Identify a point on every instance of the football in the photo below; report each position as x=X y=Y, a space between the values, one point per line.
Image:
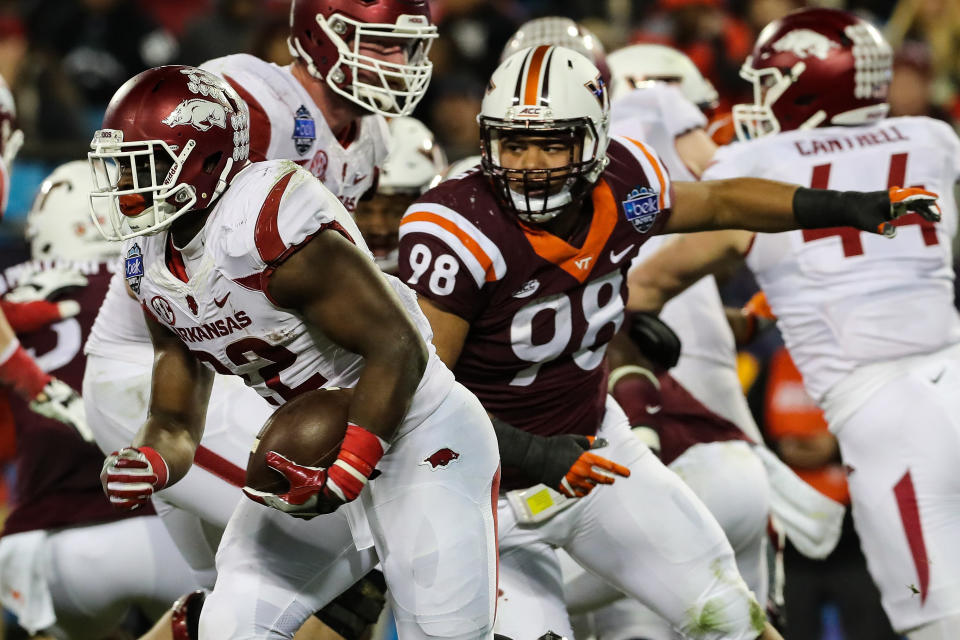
x=308 y=430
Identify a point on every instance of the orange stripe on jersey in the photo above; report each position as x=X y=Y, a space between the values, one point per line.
x=266 y=234
x=579 y=262
x=532 y=92
x=472 y=246
x=656 y=167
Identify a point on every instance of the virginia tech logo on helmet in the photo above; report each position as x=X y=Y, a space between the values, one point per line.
x=200 y=114
x=641 y=208
x=806 y=42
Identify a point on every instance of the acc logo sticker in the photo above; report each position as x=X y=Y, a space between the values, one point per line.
x=641 y=208
x=163 y=309
x=304 y=130
x=133 y=267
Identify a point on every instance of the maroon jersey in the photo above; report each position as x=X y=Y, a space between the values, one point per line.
x=679 y=419
x=541 y=310
x=58 y=474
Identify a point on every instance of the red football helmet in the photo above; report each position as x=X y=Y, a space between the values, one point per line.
x=177 y=134
x=334 y=37
x=815 y=67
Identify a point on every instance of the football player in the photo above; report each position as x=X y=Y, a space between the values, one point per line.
x=415 y=163
x=61 y=529
x=258 y=271
x=659 y=97
x=869 y=322
x=353 y=62
x=47 y=395
x=521 y=270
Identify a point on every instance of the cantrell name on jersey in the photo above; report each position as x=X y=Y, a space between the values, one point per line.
x=882 y=135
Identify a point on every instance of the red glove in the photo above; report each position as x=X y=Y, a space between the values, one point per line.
x=21 y=372
x=25 y=317
x=130 y=476
x=315 y=490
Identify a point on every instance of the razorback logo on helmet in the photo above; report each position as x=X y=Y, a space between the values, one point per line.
x=441 y=458
x=198 y=113
x=806 y=42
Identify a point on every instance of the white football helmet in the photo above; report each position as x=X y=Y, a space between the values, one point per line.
x=461 y=167
x=59 y=223
x=415 y=162
x=558 y=31
x=551 y=92
x=11 y=138
x=631 y=66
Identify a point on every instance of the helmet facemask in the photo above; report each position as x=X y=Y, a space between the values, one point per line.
x=136 y=184
x=537 y=195
x=758 y=120
x=386 y=88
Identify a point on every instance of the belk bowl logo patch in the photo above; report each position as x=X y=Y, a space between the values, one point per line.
x=304 y=130
x=133 y=267
x=641 y=208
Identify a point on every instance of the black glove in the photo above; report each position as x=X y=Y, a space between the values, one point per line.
x=562 y=462
x=872 y=211
x=350 y=613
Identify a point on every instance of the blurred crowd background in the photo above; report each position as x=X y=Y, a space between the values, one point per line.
x=64 y=59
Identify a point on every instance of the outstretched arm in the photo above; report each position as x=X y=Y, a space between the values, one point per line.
x=682 y=261
x=768 y=206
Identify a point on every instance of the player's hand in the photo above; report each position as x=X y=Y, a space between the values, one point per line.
x=25 y=317
x=46 y=285
x=59 y=402
x=906 y=200
x=305 y=498
x=130 y=476
x=352 y=612
x=571 y=468
x=872 y=211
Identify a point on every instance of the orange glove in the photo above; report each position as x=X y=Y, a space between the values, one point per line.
x=589 y=470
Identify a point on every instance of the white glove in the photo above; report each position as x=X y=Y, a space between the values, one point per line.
x=46 y=285
x=59 y=402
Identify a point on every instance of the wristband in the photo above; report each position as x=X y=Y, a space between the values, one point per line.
x=21 y=371
x=359 y=454
x=157 y=464
x=822 y=208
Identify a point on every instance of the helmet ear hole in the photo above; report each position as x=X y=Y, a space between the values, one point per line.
x=210 y=162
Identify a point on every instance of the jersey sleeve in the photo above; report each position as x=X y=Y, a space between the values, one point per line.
x=285 y=206
x=447 y=259
x=647 y=207
x=661 y=106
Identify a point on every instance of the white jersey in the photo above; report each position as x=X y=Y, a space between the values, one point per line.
x=846 y=298
x=285 y=123
x=222 y=311
x=657 y=115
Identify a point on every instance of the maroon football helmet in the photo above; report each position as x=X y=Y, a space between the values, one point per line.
x=815 y=67
x=334 y=39
x=179 y=135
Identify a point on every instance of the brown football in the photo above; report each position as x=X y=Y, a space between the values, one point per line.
x=308 y=430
